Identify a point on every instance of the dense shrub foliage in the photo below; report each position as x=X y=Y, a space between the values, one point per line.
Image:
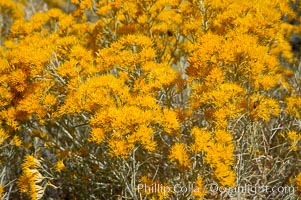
x=128 y=99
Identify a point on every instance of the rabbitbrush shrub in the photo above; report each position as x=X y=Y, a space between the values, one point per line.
x=155 y=99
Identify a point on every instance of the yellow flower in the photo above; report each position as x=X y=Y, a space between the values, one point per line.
x=179 y=153
x=214 y=78
x=170 y=121
x=31 y=179
x=293 y=138
x=293 y=106
x=59 y=165
x=16 y=141
x=119 y=148
x=9 y=117
x=30 y=162
x=265 y=107
x=86 y=4
x=18 y=80
x=145 y=136
x=225 y=175
x=30 y=105
x=1 y=191
x=23 y=183
x=13 y=8
x=49 y=100
x=266 y=82
x=3 y=136
x=142 y=19
x=222 y=137
x=28 y=182
x=202 y=139
x=97 y=135
x=199 y=191
x=298 y=180
x=67 y=69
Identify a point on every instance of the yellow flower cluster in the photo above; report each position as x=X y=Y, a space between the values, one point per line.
x=94 y=87
x=179 y=153
x=31 y=179
x=298 y=183
x=3 y=136
x=264 y=107
x=218 y=148
x=12 y=8
x=293 y=106
x=199 y=191
x=1 y=190
x=59 y=165
x=293 y=137
x=228 y=70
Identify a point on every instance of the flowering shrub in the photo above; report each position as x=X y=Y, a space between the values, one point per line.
x=127 y=99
